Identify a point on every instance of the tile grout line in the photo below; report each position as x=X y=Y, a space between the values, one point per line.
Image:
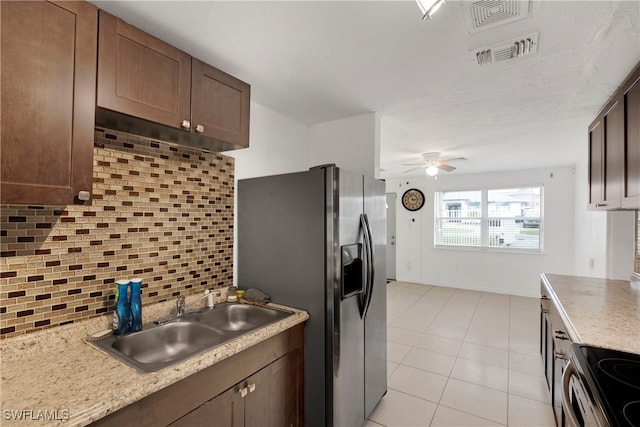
x=457 y=357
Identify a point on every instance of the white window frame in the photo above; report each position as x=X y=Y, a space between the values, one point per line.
x=485 y=220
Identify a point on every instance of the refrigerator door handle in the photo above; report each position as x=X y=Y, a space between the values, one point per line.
x=364 y=296
x=370 y=264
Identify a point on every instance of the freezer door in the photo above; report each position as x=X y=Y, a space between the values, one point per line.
x=282 y=249
x=348 y=325
x=375 y=342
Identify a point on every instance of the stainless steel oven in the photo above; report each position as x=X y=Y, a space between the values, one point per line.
x=601 y=387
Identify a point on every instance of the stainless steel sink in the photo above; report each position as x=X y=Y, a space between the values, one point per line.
x=174 y=341
x=159 y=346
x=240 y=317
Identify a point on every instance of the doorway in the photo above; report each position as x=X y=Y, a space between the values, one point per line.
x=391 y=236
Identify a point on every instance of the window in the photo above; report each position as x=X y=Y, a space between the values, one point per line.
x=493 y=218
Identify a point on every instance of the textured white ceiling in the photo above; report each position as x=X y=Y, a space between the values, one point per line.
x=321 y=61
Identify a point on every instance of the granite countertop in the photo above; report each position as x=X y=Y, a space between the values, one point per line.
x=598 y=312
x=54 y=377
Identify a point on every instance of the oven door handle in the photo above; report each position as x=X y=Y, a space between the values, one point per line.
x=571 y=419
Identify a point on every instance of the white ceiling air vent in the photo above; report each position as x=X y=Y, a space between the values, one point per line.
x=483 y=14
x=511 y=49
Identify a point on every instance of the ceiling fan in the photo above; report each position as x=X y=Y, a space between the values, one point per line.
x=432 y=163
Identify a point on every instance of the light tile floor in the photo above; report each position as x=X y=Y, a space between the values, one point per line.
x=462 y=358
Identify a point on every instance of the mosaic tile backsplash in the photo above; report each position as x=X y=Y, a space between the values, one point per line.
x=160 y=212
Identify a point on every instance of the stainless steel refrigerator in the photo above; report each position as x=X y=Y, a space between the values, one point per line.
x=316 y=240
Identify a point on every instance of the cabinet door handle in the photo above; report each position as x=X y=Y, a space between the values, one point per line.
x=199 y=128
x=559 y=355
x=243 y=392
x=252 y=387
x=560 y=335
x=600 y=205
x=186 y=124
x=84 y=195
x=544 y=297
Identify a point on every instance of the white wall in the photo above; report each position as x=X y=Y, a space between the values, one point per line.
x=352 y=143
x=277 y=144
x=590 y=227
x=494 y=271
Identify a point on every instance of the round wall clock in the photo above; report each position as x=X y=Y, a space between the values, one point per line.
x=413 y=199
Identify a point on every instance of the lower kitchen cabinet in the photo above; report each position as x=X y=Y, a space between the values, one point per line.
x=227 y=409
x=555 y=346
x=266 y=398
x=546 y=340
x=260 y=386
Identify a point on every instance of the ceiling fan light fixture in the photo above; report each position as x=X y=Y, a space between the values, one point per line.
x=429 y=7
x=432 y=170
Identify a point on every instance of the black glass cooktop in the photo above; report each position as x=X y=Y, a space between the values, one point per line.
x=616 y=377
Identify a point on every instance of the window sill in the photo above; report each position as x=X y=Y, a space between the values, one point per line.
x=491 y=249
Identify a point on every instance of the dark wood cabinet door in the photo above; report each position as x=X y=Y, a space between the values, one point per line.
x=224 y=410
x=140 y=75
x=613 y=155
x=596 y=155
x=606 y=153
x=631 y=183
x=272 y=398
x=219 y=105
x=47 y=97
x=546 y=348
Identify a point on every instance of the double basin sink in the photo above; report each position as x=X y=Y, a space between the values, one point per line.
x=159 y=346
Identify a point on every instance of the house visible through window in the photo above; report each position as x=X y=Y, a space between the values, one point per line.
x=494 y=218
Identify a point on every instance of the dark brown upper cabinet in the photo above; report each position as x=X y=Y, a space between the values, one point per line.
x=596 y=154
x=614 y=150
x=148 y=87
x=606 y=150
x=142 y=76
x=48 y=78
x=219 y=104
x=631 y=175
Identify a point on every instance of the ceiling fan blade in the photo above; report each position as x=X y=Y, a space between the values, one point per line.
x=453 y=159
x=446 y=167
x=419 y=167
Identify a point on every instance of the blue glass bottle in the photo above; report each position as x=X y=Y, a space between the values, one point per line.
x=122 y=315
x=136 y=305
